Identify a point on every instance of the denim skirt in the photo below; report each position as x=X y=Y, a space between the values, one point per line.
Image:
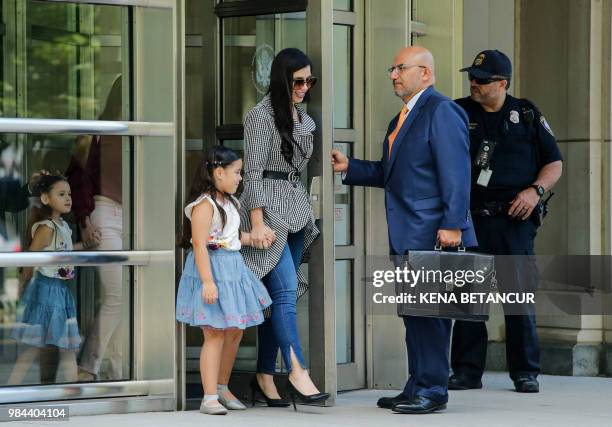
x=47 y=315
x=242 y=296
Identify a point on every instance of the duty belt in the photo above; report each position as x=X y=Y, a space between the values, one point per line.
x=490 y=209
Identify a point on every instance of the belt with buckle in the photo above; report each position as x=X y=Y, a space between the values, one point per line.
x=293 y=176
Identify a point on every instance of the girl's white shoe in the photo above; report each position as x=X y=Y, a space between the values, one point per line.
x=233 y=404
x=211 y=406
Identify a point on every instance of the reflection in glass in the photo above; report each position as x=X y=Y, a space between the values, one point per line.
x=24 y=357
x=47 y=311
x=41 y=346
x=342 y=77
x=72 y=56
x=343 y=204
x=249 y=46
x=344 y=311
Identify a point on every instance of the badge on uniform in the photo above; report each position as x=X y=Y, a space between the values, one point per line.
x=546 y=126
x=514 y=116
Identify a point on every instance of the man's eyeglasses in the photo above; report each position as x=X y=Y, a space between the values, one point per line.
x=308 y=82
x=486 y=81
x=402 y=67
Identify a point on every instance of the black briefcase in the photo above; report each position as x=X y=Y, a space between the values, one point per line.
x=453 y=284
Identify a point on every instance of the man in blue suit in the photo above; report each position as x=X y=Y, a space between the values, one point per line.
x=425 y=173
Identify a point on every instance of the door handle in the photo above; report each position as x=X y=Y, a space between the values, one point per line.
x=315 y=196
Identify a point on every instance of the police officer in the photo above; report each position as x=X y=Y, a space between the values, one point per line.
x=515 y=161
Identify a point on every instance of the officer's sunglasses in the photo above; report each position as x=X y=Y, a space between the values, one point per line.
x=486 y=81
x=308 y=82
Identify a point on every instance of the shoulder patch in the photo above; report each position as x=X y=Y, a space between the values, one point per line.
x=546 y=125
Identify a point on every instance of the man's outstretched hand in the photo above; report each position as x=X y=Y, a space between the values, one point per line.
x=339 y=161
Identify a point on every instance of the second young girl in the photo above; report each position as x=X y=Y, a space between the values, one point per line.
x=217 y=292
x=47 y=309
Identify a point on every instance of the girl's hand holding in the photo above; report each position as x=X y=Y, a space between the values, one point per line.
x=262 y=237
x=92 y=239
x=91 y=236
x=209 y=292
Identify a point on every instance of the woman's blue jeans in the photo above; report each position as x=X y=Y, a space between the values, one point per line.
x=280 y=330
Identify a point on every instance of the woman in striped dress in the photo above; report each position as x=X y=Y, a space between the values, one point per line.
x=276 y=210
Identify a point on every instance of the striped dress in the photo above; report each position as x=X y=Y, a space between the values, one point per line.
x=286 y=206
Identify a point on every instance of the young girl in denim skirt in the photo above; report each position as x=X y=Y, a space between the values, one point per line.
x=217 y=292
x=47 y=312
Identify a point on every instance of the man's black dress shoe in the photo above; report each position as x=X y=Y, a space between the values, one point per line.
x=461 y=381
x=526 y=384
x=388 y=402
x=418 y=405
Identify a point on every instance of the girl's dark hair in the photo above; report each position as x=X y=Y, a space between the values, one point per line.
x=203 y=183
x=43 y=186
x=286 y=62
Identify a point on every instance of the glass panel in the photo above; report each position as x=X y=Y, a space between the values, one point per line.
x=343 y=204
x=344 y=311
x=93 y=302
x=346 y=5
x=249 y=46
x=438 y=17
x=97 y=301
x=95 y=169
x=194 y=107
x=342 y=77
x=195 y=80
x=62 y=59
x=33 y=346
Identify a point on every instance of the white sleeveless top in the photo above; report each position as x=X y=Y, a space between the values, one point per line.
x=226 y=238
x=60 y=241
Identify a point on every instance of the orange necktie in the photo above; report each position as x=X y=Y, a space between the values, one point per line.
x=400 y=122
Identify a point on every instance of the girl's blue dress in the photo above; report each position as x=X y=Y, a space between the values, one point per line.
x=47 y=315
x=242 y=296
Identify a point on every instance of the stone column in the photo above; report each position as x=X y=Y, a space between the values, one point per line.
x=564 y=66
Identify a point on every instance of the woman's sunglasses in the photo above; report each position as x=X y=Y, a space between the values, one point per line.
x=308 y=82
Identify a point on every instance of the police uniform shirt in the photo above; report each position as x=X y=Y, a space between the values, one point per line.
x=517 y=134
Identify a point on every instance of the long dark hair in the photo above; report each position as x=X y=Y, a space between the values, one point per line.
x=204 y=183
x=114 y=105
x=286 y=62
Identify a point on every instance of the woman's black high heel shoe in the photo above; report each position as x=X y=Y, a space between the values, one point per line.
x=272 y=403
x=306 y=399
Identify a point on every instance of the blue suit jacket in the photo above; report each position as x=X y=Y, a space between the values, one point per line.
x=427 y=178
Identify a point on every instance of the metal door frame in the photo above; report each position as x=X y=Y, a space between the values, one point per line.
x=353 y=375
x=153 y=384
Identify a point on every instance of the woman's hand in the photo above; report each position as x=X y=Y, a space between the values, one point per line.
x=262 y=237
x=91 y=237
x=210 y=294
